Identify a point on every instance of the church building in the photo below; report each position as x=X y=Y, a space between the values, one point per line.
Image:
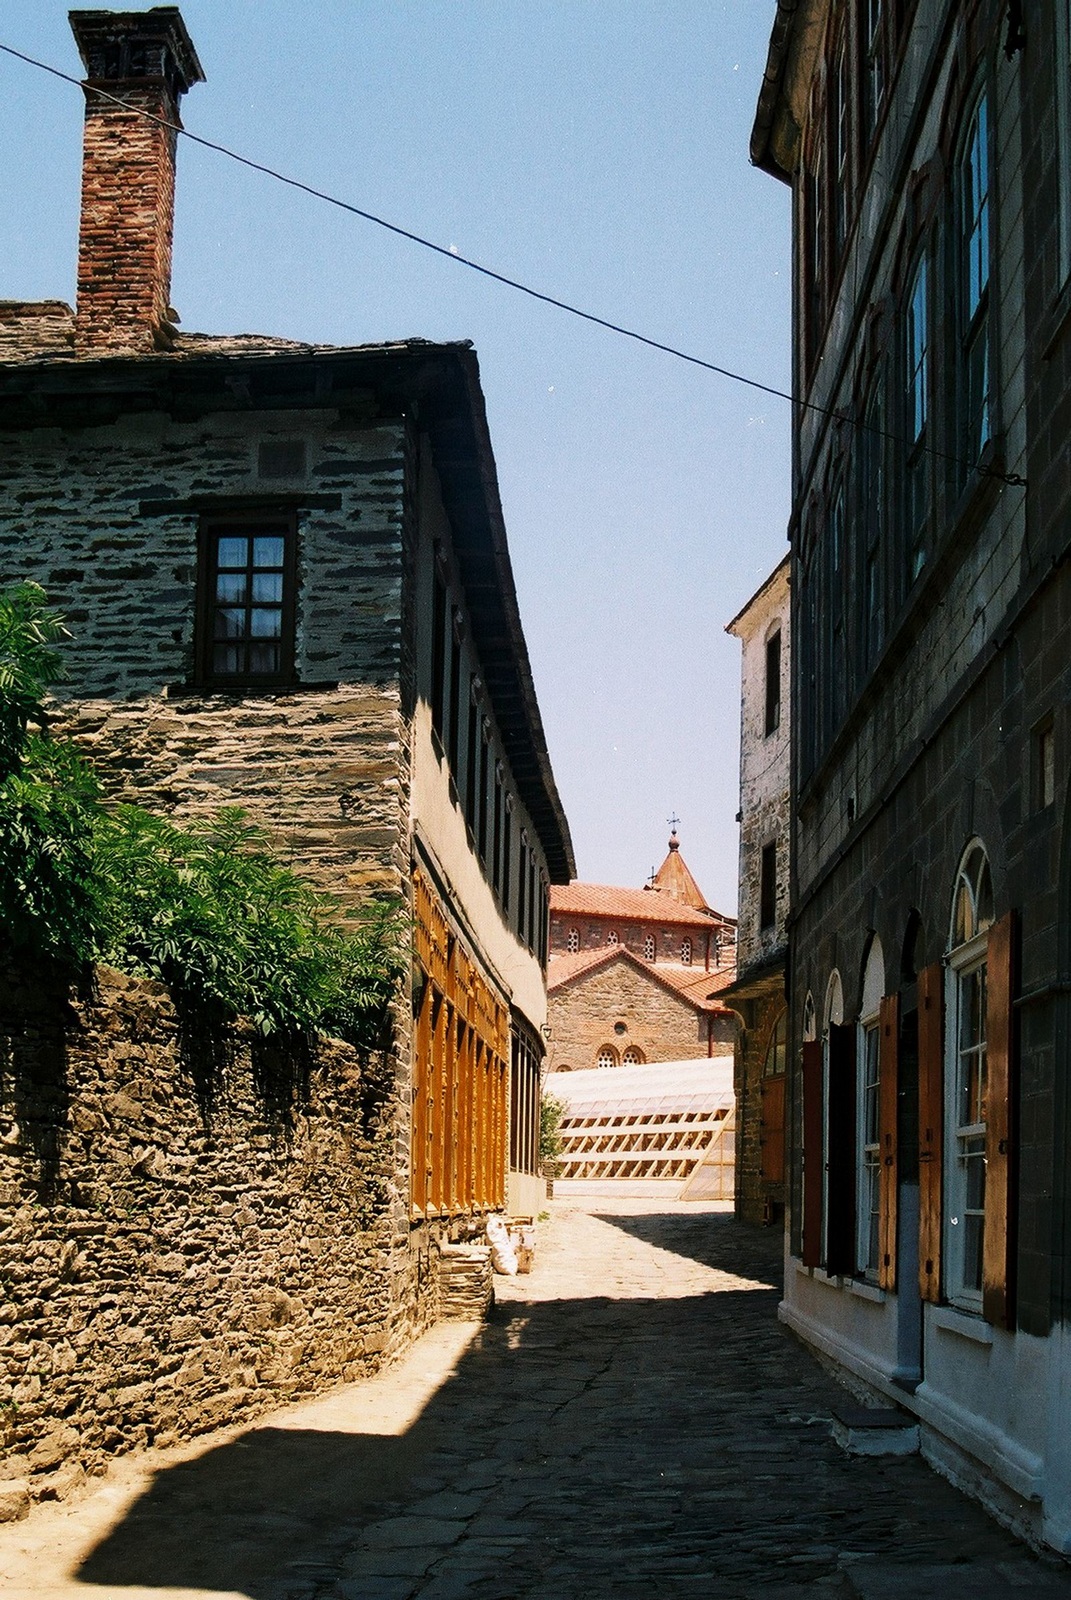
x=635 y=975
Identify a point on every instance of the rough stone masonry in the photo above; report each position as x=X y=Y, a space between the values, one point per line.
x=195 y=1225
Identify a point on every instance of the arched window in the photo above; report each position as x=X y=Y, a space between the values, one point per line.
x=649 y=947
x=632 y=1057
x=611 y=937
x=966 y=1075
x=686 y=952
x=607 y=1056
x=810 y=1024
x=572 y=942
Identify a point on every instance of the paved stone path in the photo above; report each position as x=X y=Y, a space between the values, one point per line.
x=632 y=1422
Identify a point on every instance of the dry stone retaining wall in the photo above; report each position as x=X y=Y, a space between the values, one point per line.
x=192 y=1227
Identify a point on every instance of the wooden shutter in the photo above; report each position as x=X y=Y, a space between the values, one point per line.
x=999 y=1235
x=812 y=1153
x=843 y=1145
x=888 y=1103
x=931 y=1127
x=773 y=1128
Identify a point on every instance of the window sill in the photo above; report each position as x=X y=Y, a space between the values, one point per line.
x=857 y=1286
x=243 y=691
x=966 y=1323
x=865 y=1290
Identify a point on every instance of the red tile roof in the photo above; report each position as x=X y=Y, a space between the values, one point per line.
x=698 y=988
x=628 y=905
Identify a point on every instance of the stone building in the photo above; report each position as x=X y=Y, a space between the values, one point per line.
x=635 y=974
x=286 y=576
x=758 y=991
x=928 y=148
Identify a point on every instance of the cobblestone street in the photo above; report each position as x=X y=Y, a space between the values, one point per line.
x=632 y=1421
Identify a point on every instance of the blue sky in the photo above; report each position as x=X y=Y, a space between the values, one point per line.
x=596 y=149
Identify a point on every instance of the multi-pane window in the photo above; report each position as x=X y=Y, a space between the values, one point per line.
x=248 y=601
x=1062 y=63
x=808 y=655
x=871 y=523
x=839 y=113
x=968 y=1063
x=975 y=218
x=870 y=1149
x=686 y=952
x=834 y=682
x=611 y=937
x=632 y=1057
x=649 y=947
x=607 y=1056
x=472 y=728
x=873 y=54
x=917 y=397
x=485 y=783
x=814 y=251
x=453 y=728
x=522 y=885
x=440 y=605
x=572 y=941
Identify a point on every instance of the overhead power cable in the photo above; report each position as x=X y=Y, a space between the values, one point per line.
x=1013 y=480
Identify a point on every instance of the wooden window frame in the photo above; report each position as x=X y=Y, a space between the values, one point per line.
x=272 y=523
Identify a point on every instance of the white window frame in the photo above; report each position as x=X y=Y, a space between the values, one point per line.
x=964 y=1135
x=868 y=1144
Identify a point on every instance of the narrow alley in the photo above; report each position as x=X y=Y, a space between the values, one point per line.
x=632 y=1421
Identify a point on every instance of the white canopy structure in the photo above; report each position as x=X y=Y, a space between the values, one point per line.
x=668 y=1125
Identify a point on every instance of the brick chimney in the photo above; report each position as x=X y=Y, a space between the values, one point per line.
x=147 y=61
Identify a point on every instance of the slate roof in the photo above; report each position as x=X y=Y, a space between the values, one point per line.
x=45 y=382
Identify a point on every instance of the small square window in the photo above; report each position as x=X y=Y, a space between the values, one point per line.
x=246 y=601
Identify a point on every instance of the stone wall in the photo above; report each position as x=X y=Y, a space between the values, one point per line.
x=584 y=1015
x=192 y=1227
x=756 y=1197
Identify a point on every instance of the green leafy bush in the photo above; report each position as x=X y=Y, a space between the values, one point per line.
x=205 y=906
x=48 y=796
x=551 y=1112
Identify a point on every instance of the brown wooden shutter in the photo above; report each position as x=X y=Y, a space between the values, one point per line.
x=931 y=1127
x=999 y=1236
x=773 y=1129
x=888 y=1101
x=812 y=1153
x=843 y=1146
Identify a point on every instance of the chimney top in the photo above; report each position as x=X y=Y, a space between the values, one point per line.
x=125 y=46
